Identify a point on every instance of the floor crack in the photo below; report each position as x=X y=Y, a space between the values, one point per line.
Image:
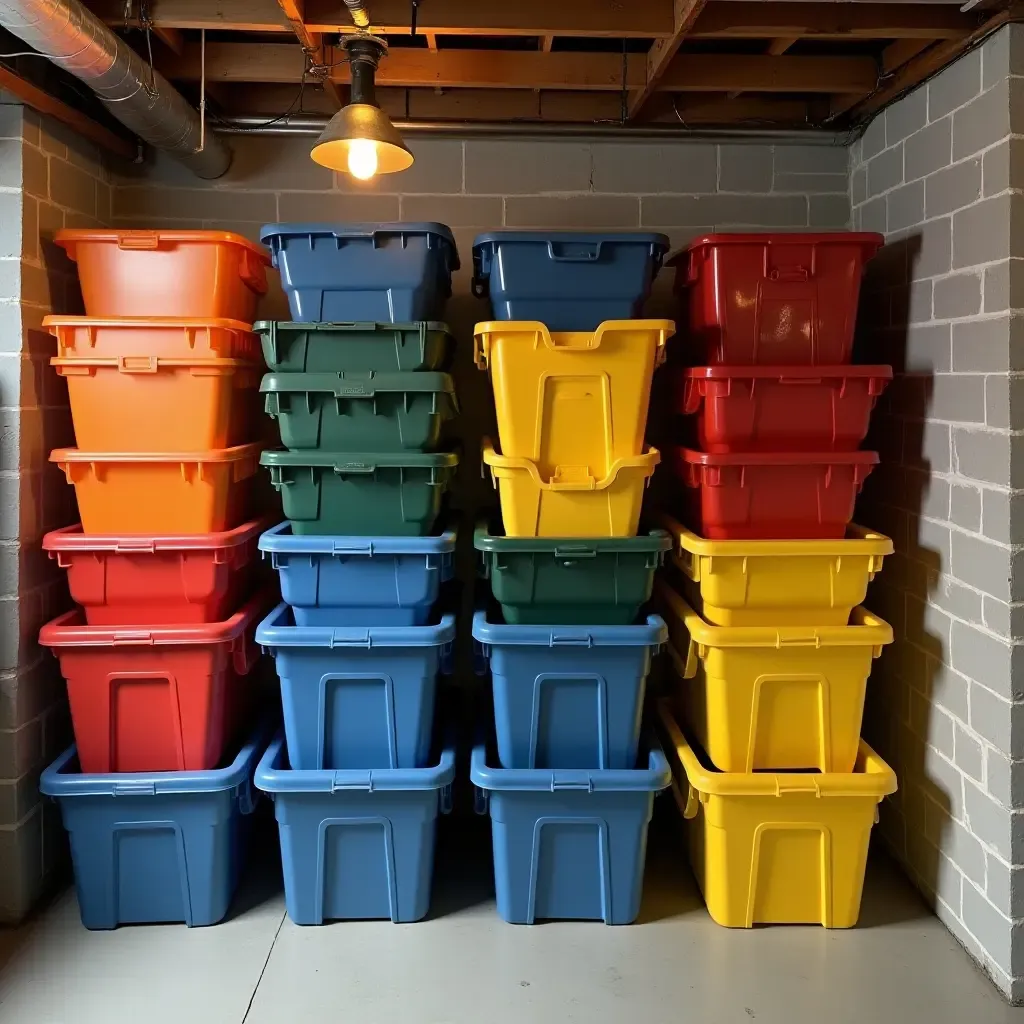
x=263 y=970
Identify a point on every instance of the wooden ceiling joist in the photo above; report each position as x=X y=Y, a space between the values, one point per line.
x=706 y=72
x=662 y=52
x=752 y=19
x=312 y=43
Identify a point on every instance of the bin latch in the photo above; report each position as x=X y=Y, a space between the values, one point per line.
x=570 y=553
x=349 y=779
x=351 y=640
x=134 y=787
x=338 y=548
x=572 y=783
x=571 y=640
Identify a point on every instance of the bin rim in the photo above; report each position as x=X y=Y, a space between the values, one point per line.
x=367 y=460
x=784 y=373
x=55 y=781
x=272 y=775
x=871 y=777
x=863 y=630
x=363 y=230
x=159 y=322
x=279 y=539
x=693 y=457
x=71 y=630
x=652 y=779
x=73 y=538
x=652 y=632
x=542 y=237
x=238 y=453
x=865 y=239
x=496 y=543
x=362 y=384
x=647 y=461
x=278 y=629
x=858 y=541
x=68 y=238
x=268 y=326
x=156 y=363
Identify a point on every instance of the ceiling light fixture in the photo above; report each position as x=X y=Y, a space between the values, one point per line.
x=360 y=138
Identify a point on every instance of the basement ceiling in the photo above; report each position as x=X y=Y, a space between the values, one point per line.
x=700 y=63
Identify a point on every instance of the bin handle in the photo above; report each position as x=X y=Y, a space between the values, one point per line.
x=479 y=287
x=687 y=804
x=138 y=240
x=588 y=255
x=693 y=395
x=571 y=553
x=246 y=654
x=354 y=467
x=138 y=364
x=248 y=796
x=787 y=274
x=253 y=272
x=481 y=351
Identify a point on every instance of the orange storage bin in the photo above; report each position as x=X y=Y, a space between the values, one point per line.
x=177 y=337
x=167 y=273
x=179 y=492
x=153 y=404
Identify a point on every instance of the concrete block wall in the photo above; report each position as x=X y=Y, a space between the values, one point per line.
x=940 y=173
x=48 y=179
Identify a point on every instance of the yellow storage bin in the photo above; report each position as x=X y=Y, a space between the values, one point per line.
x=570 y=504
x=777 y=849
x=572 y=401
x=779 y=582
x=758 y=697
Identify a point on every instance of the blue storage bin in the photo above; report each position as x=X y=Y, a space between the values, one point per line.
x=391 y=273
x=357 y=696
x=569 y=844
x=152 y=847
x=569 y=281
x=359 y=581
x=568 y=696
x=356 y=844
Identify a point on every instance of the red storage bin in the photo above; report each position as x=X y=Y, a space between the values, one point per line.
x=776 y=408
x=772 y=299
x=167 y=698
x=160 y=580
x=771 y=495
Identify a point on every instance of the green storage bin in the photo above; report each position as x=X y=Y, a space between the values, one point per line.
x=353 y=347
x=569 y=581
x=394 y=494
x=343 y=412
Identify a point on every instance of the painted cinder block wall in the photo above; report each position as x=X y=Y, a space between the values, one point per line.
x=940 y=173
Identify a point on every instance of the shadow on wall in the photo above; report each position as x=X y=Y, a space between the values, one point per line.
x=898 y=498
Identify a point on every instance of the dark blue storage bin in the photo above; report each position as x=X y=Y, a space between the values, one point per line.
x=568 y=696
x=356 y=844
x=568 y=280
x=357 y=696
x=569 y=844
x=359 y=581
x=152 y=847
x=391 y=273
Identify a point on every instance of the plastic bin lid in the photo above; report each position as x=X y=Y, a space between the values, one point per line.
x=278 y=629
x=491 y=543
x=166 y=323
x=360 y=462
x=71 y=538
x=777 y=458
x=656 y=776
x=68 y=238
x=237 y=454
x=63 y=778
x=803 y=373
x=70 y=630
x=578 y=237
x=363 y=326
x=651 y=633
x=865 y=239
x=274 y=776
x=359 y=385
x=365 y=230
x=280 y=540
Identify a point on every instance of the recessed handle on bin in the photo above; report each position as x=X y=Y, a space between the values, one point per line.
x=582 y=252
x=246 y=654
x=350 y=779
x=479 y=287
x=134 y=787
x=481 y=800
x=481 y=351
x=137 y=364
x=571 y=640
x=338 y=548
x=798 y=641
x=248 y=796
x=135 y=545
x=252 y=272
x=573 y=781
x=445 y=801
x=353 y=389
x=138 y=240
x=351 y=640
x=132 y=636
x=354 y=467
x=789 y=274
x=687 y=804
x=572 y=552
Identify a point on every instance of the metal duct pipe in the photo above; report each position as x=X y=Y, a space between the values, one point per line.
x=141 y=99
x=360 y=15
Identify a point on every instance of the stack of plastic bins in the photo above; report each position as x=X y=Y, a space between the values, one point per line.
x=160 y=653
x=565 y=774
x=357 y=390
x=770 y=645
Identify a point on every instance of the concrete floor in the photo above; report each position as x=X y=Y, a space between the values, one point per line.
x=463 y=965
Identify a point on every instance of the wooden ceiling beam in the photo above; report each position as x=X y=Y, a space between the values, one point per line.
x=706 y=72
x=726 y=19
x=777 y=47
x=312 y=43
x=639 y=19
x=684 y=15
x=899 y=51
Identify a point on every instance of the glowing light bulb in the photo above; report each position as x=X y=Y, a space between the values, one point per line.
x=362 y=158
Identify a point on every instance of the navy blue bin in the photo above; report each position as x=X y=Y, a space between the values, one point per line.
x=357 y=696
x=356 y=844
x=390 y=273
x=151 y=847
x=568 y=696
x=569 y=845
x=359 y=581
x=569 y=281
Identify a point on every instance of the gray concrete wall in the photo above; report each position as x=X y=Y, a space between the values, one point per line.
x=940 y=174
x=48 y=179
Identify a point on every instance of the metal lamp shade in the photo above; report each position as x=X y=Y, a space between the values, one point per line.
x=361 y=121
